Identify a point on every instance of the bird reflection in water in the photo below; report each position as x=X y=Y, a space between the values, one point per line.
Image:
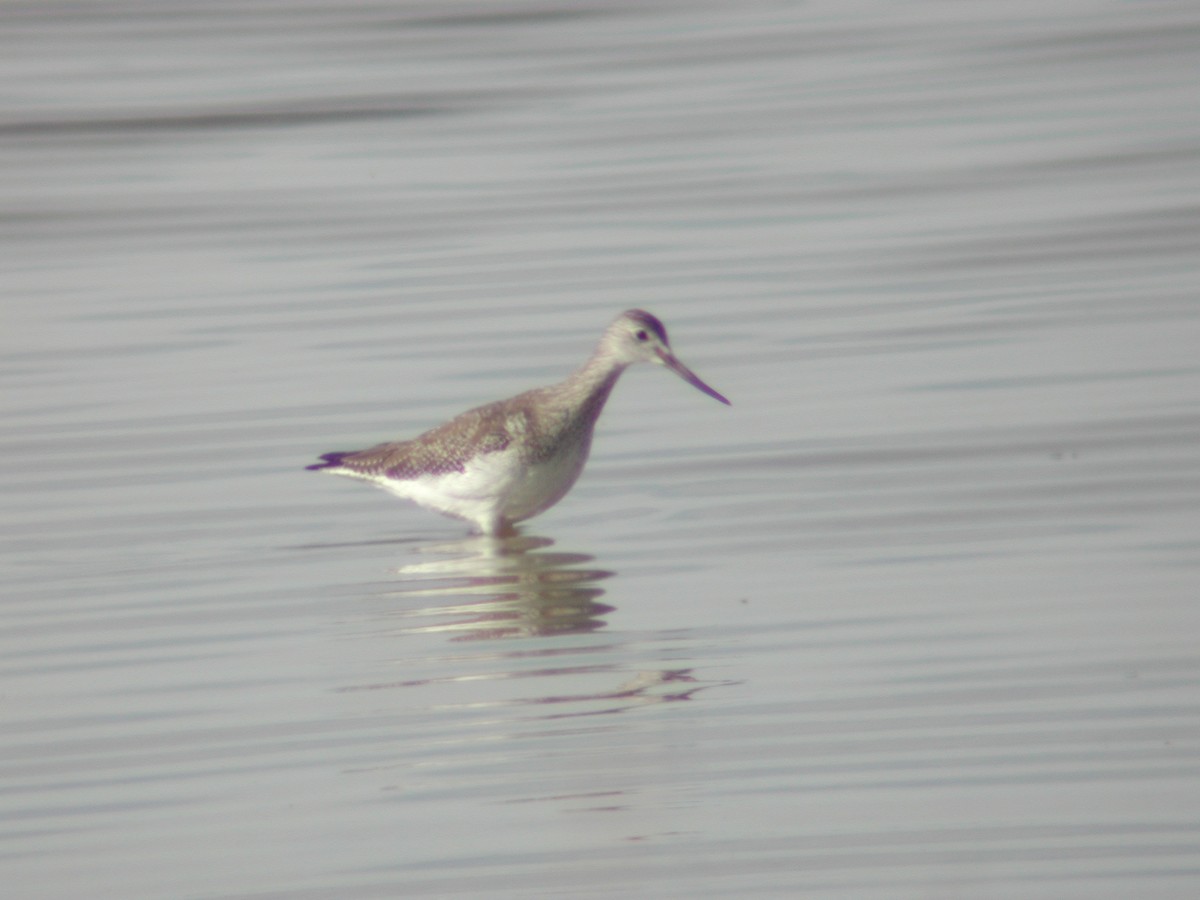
x=498 y=588
x=481 y=588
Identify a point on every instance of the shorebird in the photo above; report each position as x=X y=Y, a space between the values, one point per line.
x=510 y=460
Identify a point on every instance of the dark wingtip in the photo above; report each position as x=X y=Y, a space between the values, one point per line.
x=328 y=461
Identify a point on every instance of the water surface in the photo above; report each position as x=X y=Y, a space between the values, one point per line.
x=914 y=617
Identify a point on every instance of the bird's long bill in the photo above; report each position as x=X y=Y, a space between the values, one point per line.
x=670 y=361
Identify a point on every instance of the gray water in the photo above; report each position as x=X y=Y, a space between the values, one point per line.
x=916 y=617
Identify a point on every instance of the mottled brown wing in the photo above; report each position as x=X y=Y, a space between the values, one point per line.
x=440 y=451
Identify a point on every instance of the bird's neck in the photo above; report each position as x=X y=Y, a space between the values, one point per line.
x=588 y=387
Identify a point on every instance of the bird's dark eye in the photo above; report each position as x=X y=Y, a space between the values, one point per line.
x=642 y=336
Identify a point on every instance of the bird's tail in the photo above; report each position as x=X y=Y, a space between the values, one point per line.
x=330 y=461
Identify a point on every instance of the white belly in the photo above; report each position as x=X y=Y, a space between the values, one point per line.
x=496 y=487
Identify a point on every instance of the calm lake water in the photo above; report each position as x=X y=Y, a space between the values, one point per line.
x=916 y=617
